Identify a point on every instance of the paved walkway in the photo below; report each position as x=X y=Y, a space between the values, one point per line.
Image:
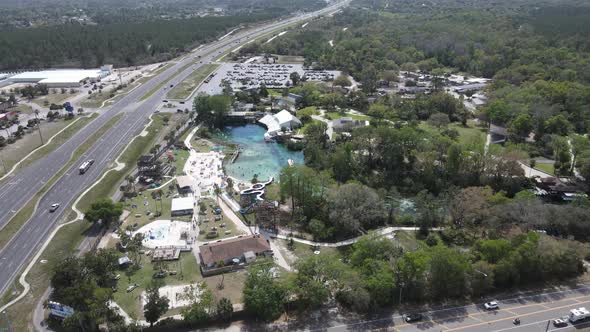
x=387 y=231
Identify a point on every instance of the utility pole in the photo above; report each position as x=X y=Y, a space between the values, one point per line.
x=39 y=125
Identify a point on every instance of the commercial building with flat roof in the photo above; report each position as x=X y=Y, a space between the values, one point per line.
x=62 y=78
x=182 y=206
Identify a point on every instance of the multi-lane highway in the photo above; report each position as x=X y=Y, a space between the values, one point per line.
x=536 y=311
x=18 y=189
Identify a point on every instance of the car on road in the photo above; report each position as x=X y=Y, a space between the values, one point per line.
x=164 y=101
x=491 y=305
x=412 y=317
x=560 y=322
x=54 y=207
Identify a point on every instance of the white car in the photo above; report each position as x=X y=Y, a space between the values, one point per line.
x=491 y=305
x=54 y=207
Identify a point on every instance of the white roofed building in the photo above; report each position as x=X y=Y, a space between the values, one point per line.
x=182 y=206
x=281 y=121
x=63 y=78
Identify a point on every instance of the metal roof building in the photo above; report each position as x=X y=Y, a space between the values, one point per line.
x=63 y=78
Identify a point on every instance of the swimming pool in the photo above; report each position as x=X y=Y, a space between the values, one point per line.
x=256 y=156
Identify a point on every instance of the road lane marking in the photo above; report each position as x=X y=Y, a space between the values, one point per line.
x=512 y=317
x=472 y=317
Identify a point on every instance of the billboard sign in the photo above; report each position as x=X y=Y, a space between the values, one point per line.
x=60 y=310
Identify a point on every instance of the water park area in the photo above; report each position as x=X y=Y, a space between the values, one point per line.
x=164 y=233
x=206 y=168
x=257 y=158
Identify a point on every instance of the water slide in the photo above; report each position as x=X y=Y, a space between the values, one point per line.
x=256 y=189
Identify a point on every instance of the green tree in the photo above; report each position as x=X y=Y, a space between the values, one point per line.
x=224 y=309
x=105 y=211
x=155 y=305
x=264 y=297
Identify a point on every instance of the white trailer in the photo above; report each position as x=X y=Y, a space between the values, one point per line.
x=578 y=314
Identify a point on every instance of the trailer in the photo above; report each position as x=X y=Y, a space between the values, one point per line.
x=579 y=314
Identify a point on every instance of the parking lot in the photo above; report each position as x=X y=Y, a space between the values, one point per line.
x=251 y=75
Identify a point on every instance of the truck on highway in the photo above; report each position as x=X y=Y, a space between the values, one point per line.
x=85 y=166
x=579 y=314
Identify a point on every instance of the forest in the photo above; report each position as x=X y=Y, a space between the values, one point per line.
x=129 y=36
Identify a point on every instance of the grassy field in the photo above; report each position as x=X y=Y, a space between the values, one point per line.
x=163 y=83
x=338 y=115
x=467 y=134
x=207 y=226
x=290 y=59
x=26 y=211
x=184 y=89
x=13 y=153
x=186 y=267
x=22 y=108
x=181 y=156
x=302 y=129
x=546 y=167
x=407 y=240
x=52 y=98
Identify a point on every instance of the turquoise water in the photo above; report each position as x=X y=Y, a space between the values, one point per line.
x=257 y=156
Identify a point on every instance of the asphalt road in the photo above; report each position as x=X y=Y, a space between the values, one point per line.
x=534 y=311
x=15 y=192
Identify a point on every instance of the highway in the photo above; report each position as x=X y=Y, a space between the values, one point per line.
x=16 y=191
x=536 y=311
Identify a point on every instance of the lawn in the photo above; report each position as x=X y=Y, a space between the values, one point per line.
x=185 y=88
x=52 y=98
x=301 y=130
x=338 y=115
x=186 y=267
x=207 y=223
x=545 y=167
x=290 y=59
x=467 y=134
x=22 y=108
x=407 y=240
x=301 y=250
x=181 y=156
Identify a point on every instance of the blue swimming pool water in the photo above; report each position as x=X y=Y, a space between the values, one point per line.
x=257 y=156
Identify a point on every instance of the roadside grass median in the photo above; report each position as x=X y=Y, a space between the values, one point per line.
x=25 y=213
x=185 y=88
x=58 y=132
x=63 y=244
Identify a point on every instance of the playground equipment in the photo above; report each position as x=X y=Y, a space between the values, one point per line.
x=256 y=190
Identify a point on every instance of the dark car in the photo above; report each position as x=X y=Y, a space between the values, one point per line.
x=413 y=317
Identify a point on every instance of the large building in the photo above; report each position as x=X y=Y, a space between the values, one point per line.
x=62 y=78
x=224 y=256
x=281 y=121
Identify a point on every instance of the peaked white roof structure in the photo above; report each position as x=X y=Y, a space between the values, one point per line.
x=276 y=122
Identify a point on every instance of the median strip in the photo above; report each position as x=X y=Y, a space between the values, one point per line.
x=25 y=213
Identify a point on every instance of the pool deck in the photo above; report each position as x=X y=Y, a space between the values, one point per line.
x=162 y=233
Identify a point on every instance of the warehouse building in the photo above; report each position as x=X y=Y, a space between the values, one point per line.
x=63 y=78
